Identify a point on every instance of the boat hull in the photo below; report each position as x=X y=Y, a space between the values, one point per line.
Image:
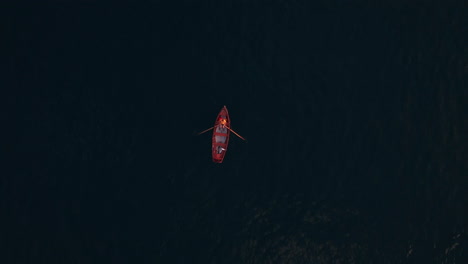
x=220 y=139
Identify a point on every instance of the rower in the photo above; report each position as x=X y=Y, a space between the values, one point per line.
x=222 y=121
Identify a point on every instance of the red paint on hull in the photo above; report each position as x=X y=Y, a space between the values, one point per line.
x=220 y=139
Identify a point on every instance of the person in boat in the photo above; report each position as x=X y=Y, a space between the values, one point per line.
x=222 y=121
x=221 y=128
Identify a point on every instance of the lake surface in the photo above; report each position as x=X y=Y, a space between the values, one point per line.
x=355 y=120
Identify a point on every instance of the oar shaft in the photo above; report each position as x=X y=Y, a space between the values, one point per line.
x=205 y=130
x=235 y=133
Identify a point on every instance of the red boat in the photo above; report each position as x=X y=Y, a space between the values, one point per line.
x=220 y=140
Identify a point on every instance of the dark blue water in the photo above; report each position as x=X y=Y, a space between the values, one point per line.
x=354 y=116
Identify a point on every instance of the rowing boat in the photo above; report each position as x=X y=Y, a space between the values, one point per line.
x=220 y=139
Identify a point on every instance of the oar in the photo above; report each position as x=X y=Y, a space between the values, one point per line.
x=205 y=131
x=235 y=133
